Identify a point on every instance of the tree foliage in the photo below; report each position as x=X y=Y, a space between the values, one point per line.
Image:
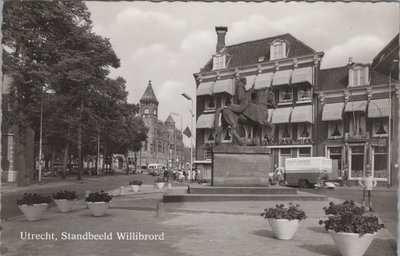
x=50 y=50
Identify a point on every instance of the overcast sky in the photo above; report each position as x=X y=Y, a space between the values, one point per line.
x=168 y=42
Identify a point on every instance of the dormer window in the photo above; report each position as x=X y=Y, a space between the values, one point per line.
x=358 y=76
x=219 y=61
x=278 y=50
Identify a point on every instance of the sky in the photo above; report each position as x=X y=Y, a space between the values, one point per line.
x=168 y=42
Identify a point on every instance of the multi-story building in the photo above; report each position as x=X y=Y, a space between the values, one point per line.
x=341 y=113
x=164 y=143
x=355 y=102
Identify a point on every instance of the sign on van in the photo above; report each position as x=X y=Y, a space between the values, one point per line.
x=308 y=164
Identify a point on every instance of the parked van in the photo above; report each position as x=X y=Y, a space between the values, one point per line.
x=155 y=169
x=306 y=171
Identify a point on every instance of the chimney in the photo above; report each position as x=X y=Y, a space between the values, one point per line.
x=221 y=31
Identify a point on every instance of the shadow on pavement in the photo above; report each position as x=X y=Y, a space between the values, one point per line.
x=321 y=249
x=263 y=233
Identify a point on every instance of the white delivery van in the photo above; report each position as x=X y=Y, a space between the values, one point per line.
x=306 y=171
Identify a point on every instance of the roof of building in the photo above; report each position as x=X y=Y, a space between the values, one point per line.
x=169 y=119
x=384 y=60
x=149 y=95
x=338 y=78
x=248 y=53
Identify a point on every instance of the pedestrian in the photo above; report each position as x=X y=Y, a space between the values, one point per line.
x=194 y=173
x=368 y=183
x=346 y=177
x=198 y=175
x=324 y=178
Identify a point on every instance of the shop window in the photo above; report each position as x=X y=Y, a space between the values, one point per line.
x=335 y=129
x=380 y=127
x=283 y=154
x=380 y=162
x=304 y=130
x=209 y=103
x=357 y=161
x=207 y=154
x=304 y=152
x=286 y=95
x=335 y=153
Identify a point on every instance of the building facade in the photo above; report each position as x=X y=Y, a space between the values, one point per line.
x=306 y=98
x=164 y=143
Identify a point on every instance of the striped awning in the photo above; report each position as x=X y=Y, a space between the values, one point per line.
x=225 y=85
x=356 y=106
x=264 y=80
x=378 y=108
x=281 y=115
x=301 y=114
x=270 y=113
x=205 y=121
x=282 y=77
x=205 y=89
x=301 y=75
x=333 y=111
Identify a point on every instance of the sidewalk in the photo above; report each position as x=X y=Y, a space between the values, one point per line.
x=198 y=229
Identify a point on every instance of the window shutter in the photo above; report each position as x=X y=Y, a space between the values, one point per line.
x=351 y=77
x=283 y=47
x=272 y=52
x=366 y=76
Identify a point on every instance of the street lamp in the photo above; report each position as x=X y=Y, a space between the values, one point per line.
x=191 y=128
x=41 y=135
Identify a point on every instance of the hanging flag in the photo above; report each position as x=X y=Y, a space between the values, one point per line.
x=187 y=132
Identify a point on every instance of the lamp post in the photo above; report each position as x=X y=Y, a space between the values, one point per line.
x=177 y=114
x=191 y=128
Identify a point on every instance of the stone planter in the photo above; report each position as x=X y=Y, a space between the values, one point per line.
x=284 y=229
x=160 y=185
x=33 y=212
x=352 y=244
x=64 y=205
x=98 y=208
x=135 y=188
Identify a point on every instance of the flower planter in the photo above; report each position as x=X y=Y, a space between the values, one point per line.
x=352 y=244
x=33 y=212
x=64 y=205
x=160 y=185
x=135 y=188
x=98 y=208
x=284 y=229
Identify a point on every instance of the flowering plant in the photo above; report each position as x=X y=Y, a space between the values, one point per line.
x=350 y=218
x=68 y=195
x=159 y=180
x=99 y=197
x=291 y=212
x=136 y=182
x=31 y=199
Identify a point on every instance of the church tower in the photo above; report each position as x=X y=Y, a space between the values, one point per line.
x=149 y=106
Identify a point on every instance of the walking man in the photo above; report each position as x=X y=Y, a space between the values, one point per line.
x=368 y=183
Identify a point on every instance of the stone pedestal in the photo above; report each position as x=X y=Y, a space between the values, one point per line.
x=241 y=166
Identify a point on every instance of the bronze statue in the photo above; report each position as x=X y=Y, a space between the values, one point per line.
x=247 y=111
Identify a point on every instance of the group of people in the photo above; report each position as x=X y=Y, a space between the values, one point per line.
x=186 y=175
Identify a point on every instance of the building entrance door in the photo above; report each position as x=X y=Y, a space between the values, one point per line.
x=356 y=161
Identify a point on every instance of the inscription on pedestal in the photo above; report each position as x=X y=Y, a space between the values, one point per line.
x=241 y=166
